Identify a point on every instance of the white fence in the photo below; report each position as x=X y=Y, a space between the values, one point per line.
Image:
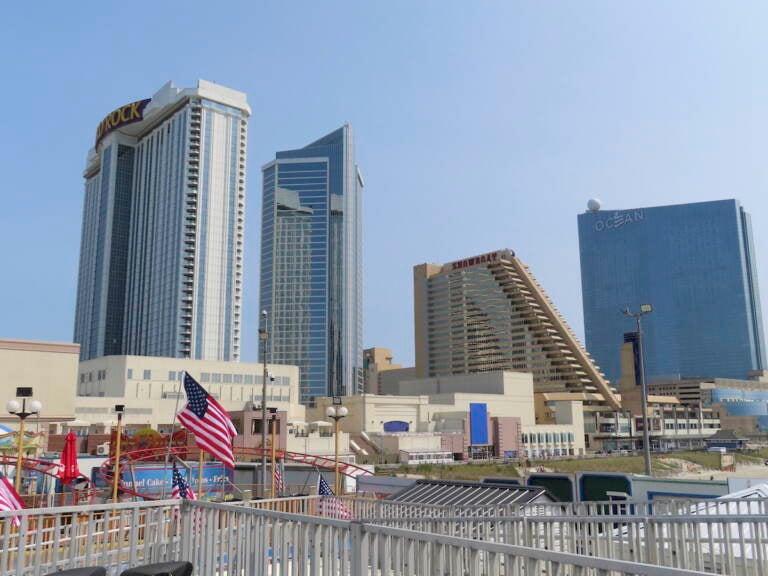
x=286 y=537
x=114 y=535
x=248 y=541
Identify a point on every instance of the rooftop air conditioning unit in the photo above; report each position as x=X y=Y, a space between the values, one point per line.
x=103 y=449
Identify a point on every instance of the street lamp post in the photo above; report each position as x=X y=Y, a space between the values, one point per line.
x=119 y=409
x=644 y=309
x=21 y=411
x=264 y=337
x=337 y=413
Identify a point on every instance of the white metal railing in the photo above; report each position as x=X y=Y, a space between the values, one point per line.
x=374 y=509
x=285 y=536
x=732 y=544
x=114 y=535
x=220 y=539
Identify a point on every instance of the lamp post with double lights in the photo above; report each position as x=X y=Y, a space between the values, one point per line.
x=119 y=409
x=644 y=309
x=337 y=412
x=21 y=411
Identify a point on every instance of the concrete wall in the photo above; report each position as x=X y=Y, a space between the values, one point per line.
x=49 y=368
x=369 y=412
x=393 y=443
x=506 y=433
x=389 y=381
x=154 y=401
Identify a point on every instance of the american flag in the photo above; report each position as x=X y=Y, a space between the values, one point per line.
x=329 y=504
x=10 y=499
x=181 y=489
x=208 y=421
x=277 y=480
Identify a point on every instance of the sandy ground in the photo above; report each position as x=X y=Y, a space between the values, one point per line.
x=742 y=471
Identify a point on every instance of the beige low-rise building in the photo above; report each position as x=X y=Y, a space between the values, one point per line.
x=672 y=424
x=152 y=392
x=434 y=415
x=48 y=368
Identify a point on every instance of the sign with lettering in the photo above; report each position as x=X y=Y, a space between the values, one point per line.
x=128 y=114
x=156 y=481
x=619 y=219
x=485 y=258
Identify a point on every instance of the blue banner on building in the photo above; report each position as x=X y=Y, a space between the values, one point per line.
x=478 y=424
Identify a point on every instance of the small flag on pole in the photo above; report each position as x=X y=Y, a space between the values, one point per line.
x=279 y=483
x=329 y=504
x=180 y=489
x=208 y=421
x=10 y=499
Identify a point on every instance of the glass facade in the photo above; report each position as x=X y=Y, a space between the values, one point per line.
x=161 y=254
x=311 y=264
x=694 y=263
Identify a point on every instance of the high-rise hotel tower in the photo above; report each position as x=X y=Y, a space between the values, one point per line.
x=162 y=238
x=695 y=265
x=487 y=313
x=311 y=264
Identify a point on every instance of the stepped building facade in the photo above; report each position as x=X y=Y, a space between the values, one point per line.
x=487 y=313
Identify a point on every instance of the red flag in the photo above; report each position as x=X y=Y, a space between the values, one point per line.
x=208 y=421
x=68 y=469
x=10 y=499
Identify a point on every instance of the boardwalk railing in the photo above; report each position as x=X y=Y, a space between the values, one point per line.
x=733 y=545
x=229 y=539
x=287 y=537
x=114 y=535
x=373 y=508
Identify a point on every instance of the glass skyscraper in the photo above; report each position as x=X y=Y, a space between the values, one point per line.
x=695 y=265
x=311 y=264
x=162 y=237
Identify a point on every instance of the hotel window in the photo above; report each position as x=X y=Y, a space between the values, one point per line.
x=205 y=377
x=147 y=374
x=129 y=374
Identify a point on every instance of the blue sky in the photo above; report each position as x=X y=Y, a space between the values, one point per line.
x=479 y=126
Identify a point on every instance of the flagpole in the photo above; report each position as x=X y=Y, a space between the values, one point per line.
x=173 y=427
x=273 y=454
x=200 y=475
x=116 y=464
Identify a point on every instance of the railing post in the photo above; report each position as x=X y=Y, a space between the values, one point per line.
x=651 y=540
x=358 y=540
x=185 y=511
